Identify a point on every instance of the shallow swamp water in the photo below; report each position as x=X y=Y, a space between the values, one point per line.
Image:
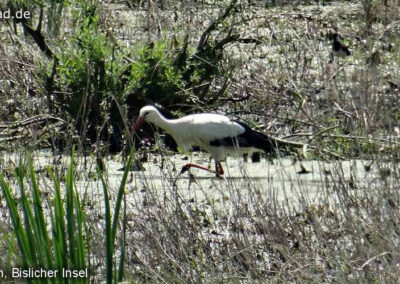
x=281 y=182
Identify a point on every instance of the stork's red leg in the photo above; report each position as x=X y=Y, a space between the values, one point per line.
x=188 y=166
x=218 y=168
x=219 y=171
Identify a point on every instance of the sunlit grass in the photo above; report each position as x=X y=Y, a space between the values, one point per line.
x=57 y=239
x=111 y=226
x=55 y=245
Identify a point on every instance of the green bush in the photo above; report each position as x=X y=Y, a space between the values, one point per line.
x=96 y=80
x=153 y=76
x=88 y=79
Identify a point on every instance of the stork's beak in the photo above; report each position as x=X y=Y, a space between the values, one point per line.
x=139 y=122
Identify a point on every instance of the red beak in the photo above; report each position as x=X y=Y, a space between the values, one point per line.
x=139 y=122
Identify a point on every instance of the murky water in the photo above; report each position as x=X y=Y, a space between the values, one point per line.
x=282 y=181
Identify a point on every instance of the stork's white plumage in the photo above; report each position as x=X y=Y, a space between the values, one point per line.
x=217 y=134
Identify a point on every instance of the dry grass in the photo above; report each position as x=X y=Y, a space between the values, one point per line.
x=239 y=233
x=241 y=229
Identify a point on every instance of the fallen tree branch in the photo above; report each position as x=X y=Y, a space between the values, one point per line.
x=30 y=129
x=304 y=146
x=204 y=36
x=30 y=120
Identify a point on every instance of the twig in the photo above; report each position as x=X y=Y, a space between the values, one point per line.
x=204 y=36
x=30 y=120
x=304 y=147
x=328 y=152
x=373 y=258
x=322 y=132
x=363 y=138
x=348 y=114
x=341 y=136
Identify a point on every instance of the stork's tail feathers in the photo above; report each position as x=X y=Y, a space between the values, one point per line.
x=259 y=140
x=252 y=139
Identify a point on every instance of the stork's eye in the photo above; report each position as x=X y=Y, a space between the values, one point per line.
x=146 y=113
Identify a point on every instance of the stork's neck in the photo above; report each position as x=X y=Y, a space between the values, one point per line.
x=165 y=123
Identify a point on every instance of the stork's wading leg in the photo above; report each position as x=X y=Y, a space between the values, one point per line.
x=186 y=167
x=218 y=168
x=219 y=171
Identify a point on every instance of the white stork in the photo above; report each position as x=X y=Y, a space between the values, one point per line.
x=217 y=134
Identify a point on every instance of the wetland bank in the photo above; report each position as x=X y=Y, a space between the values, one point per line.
x=323 y=209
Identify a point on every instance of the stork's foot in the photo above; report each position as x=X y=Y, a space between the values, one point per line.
x=217 y=175
x=191 y=177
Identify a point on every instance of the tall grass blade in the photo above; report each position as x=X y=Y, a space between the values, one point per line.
x=71 y=229
x=80 y=221
x=121 y=192
x=122 y=256
x=75 y=221
x=108 y=231
x=20 y=234
x=44 y=252
x=111 y=228
x=29 y=220
x=59 y=227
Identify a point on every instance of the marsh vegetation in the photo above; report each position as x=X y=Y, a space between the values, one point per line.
x=78 y=192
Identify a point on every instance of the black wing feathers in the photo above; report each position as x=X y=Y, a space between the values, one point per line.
x=250 y=138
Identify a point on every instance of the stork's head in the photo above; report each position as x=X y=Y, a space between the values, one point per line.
x=146 y=114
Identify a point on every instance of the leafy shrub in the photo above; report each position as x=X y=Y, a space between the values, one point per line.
x=153 y=76
x=89 y=87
